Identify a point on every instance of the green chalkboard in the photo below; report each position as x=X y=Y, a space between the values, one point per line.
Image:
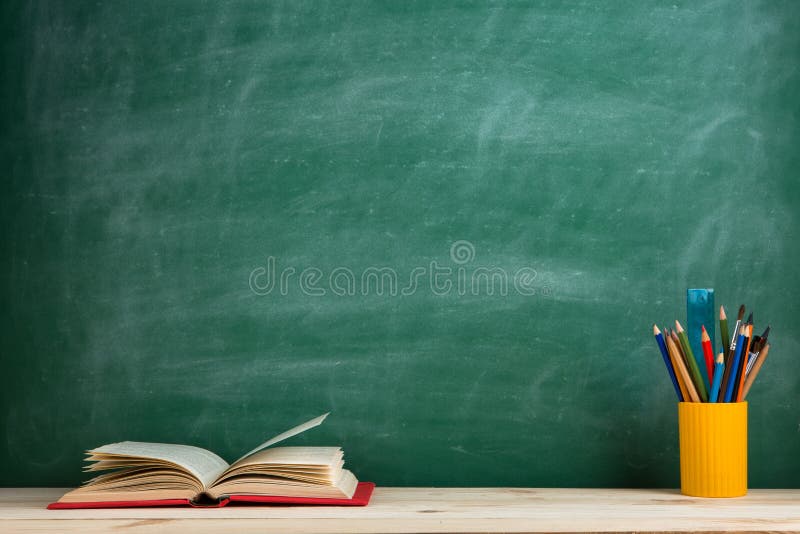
x=452 y=224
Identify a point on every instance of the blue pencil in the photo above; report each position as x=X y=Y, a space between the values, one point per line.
x=730 y=386
x=718 y=370
x=663 y=346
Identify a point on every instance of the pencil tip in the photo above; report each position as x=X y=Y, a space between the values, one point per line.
x=750 y=318
x=678 y=326
x=722 y=315
x=704 y=334
x=656 y=331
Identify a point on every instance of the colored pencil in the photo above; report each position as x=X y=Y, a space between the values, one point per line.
x=663 y=348
x=681 y=356
x=708 y=352
x=741 y=374
x=681 y=383
x=756 y=368
x=697 y=377
x=718 y=366
x=691 y=391
x=726 y=378
x=725 y=338
x=730 y=385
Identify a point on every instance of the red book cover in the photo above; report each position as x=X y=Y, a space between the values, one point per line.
x=361 y=497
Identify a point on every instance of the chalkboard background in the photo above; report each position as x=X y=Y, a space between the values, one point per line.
x=164 y=160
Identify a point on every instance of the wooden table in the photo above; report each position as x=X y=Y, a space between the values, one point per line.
x=431 y=510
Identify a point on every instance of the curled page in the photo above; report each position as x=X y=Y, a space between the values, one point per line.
x=288 y=434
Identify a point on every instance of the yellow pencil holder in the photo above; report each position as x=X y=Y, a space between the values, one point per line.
x=713 y=442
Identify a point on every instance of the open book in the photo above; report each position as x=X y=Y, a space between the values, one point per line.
x=150 y=474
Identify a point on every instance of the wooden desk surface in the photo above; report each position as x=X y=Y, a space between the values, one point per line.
x=431 y=510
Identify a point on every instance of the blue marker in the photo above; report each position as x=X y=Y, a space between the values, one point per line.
x=719 y=368
x=730 y=386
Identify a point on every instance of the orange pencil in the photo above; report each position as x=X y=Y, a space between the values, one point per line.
x=681 y=385
x=708 y=353
x=684 y=372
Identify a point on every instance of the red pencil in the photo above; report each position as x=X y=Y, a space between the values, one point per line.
x=708 y=353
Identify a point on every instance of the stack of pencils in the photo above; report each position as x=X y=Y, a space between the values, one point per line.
x=727 y=378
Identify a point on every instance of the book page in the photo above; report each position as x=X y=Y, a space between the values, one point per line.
x=308 y=463
x=286 y=435
x=308 y=456
x=204 y=465
x=343 y=488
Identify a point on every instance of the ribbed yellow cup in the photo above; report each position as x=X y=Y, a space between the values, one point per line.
x=713 y=439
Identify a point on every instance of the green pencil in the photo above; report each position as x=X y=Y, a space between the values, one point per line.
x=697 y=378
x=723 y=331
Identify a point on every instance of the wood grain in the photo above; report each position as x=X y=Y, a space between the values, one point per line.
x=403 y=510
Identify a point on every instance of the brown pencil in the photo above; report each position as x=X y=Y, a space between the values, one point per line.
x=680 y=355
x=681 y=367
x=678 y=377
x=691 y=363
x=677 y=341
x=753 y=372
